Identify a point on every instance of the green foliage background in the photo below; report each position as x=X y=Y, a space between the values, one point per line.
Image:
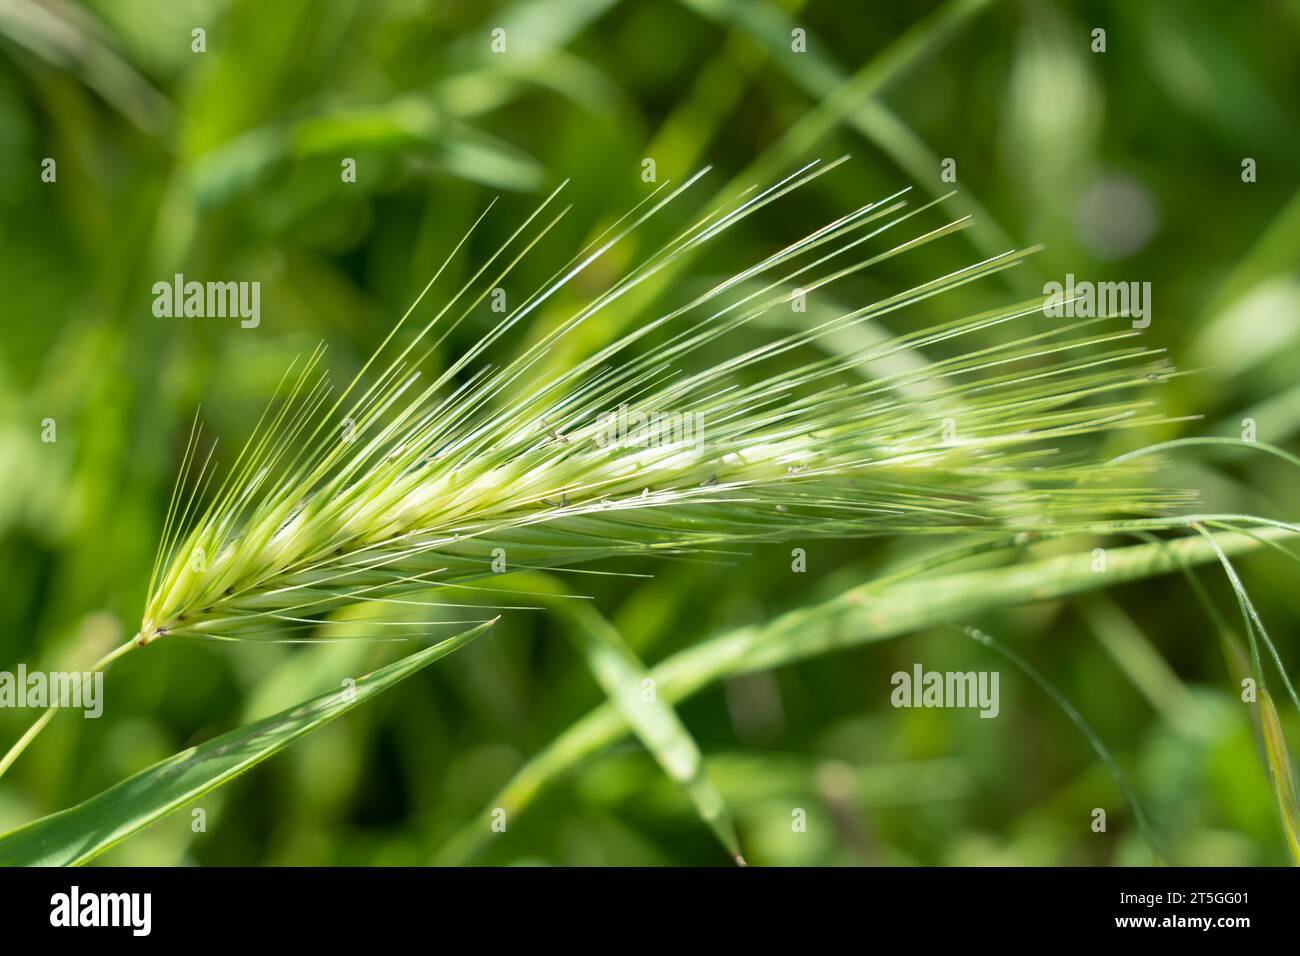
x=226 y=164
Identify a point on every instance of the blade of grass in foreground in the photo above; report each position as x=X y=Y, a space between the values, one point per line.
x=625 y=682
x=1265 y=722
x=1275 y=749
x=1281 y=773
x=857 y=616
x=78 y=834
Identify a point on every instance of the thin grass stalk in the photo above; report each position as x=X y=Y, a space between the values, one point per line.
x=859 y=615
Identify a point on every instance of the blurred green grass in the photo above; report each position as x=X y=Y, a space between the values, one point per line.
x=1126 y=165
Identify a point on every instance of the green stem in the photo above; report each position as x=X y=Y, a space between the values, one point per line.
x=16 y=750
x=857 y=616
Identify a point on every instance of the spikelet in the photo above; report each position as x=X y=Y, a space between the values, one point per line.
x=397 y=485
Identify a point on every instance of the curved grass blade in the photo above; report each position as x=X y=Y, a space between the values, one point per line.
x=1265 y=723
x=1252 y=622
x=77 y=835
x=1281 y=773
x=629 y=687
x=1275 y=749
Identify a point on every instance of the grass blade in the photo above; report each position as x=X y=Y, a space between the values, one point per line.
x=74 y=836
x=629 y=687
x=1281 y=773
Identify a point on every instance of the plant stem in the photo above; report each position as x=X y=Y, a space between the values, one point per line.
x=16 y=750
x=855 y=617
